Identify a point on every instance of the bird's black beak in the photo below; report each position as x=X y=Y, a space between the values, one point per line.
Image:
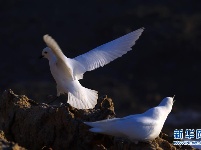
x=173 y=98
x=41 y=57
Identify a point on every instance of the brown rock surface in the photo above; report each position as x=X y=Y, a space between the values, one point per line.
x=5 y=145
x=40 y=126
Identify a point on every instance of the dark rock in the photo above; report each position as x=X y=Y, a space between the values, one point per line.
x=41 y=126
x=5 y=145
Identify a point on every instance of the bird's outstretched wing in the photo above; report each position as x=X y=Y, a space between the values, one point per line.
x=51 y=43
x=106 y=53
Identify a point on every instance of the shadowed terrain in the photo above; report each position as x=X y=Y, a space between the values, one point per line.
x=41 y=126
x=164 y=62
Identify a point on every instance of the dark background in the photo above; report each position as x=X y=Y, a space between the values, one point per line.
x=165 y=61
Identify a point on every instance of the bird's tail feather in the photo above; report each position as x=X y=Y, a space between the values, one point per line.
x=96 y=130
x=102 y=123
x=82 y=98
x=90 y=124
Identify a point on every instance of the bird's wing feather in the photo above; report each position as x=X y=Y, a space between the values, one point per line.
x=139 y=119
x=51 y=43
x=135 y=119
x=106 y=53
x=77 y=68
x=120 y=126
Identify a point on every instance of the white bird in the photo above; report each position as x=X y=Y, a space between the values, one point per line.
x=67 y=71
x=140 y=127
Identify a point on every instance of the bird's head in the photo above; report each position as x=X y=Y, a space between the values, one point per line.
x=168 y=101
x=47 y=53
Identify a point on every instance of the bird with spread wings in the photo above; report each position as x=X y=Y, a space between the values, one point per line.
x=68 y=71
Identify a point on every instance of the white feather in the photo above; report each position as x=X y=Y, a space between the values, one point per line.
x=106 y=53
x=139 y=127
x=81 y=97
x=67 y=71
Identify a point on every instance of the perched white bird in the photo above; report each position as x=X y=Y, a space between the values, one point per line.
x=67 y=71
x=140 y=127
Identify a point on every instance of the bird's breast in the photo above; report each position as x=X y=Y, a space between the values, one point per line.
x=59 y=74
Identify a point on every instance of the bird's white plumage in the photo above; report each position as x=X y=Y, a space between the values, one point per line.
x=67 y=71
x=139 y=127
x=106 y=53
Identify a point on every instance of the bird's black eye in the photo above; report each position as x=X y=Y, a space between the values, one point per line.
x=45 y=52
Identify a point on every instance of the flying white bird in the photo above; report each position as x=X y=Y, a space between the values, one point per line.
x=67 y=71
x=140 y=127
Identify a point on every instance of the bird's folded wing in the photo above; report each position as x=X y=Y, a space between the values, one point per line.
x=106 y=53
x=51 y=43
x=139 y=119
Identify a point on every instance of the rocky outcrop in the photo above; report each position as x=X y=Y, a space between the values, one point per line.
x=40 y=126
x=5 y=145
